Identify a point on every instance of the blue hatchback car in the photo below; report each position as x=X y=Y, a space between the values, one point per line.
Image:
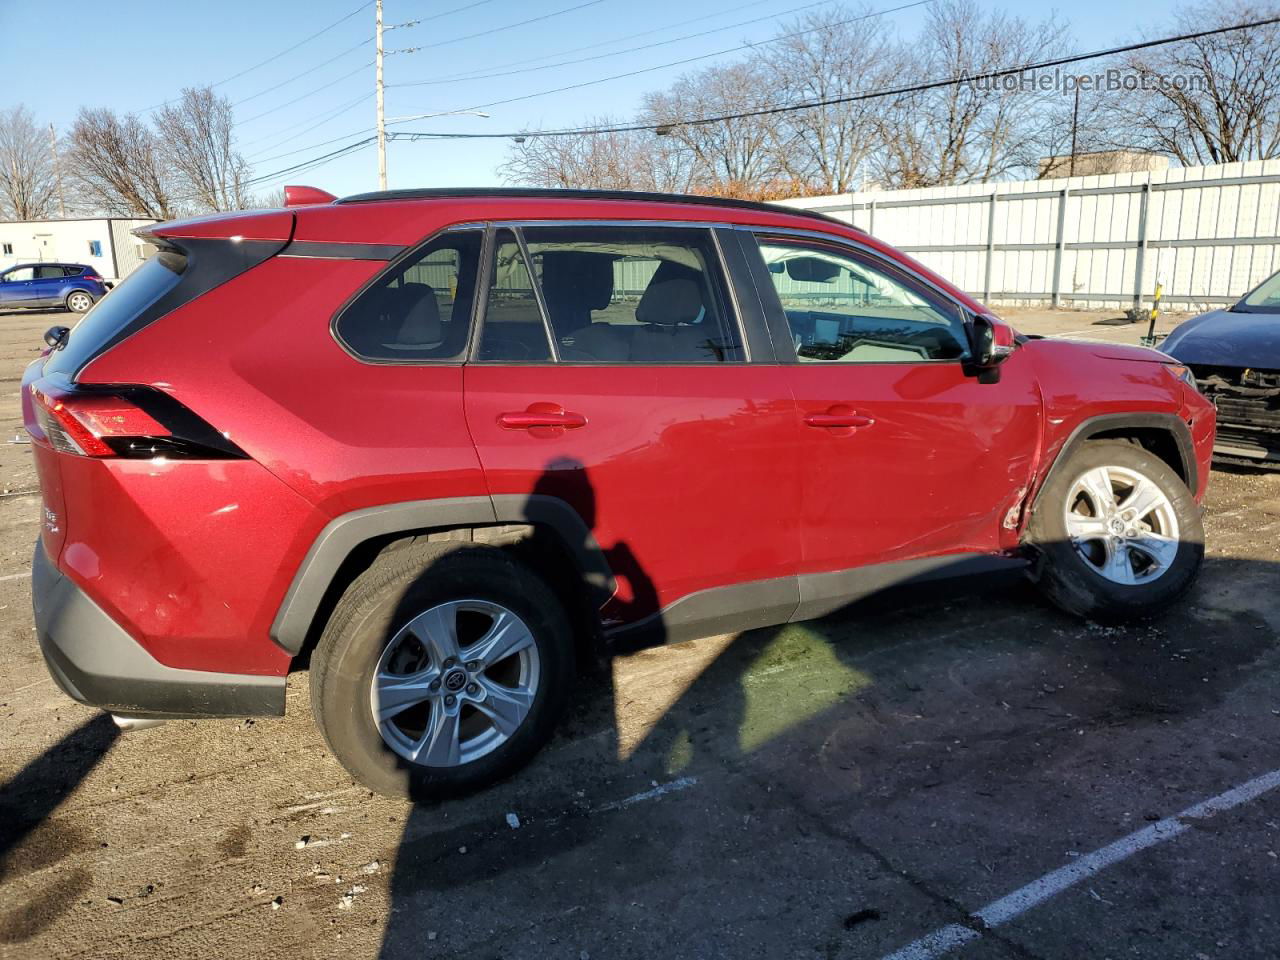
x=70 y=285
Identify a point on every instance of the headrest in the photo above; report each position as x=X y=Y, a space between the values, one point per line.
x=670 y=302
x=572 y=277
x=415 y=304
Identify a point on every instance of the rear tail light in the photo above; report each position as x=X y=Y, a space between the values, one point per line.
x=93 y=276
x=135 y=423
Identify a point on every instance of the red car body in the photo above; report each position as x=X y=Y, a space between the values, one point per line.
x=701 y=477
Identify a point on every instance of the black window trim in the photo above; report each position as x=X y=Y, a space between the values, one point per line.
x=407 y=253
x=727 y=285
x=780 y=327
x=539 y=296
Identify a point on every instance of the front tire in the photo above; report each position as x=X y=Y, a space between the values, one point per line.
x=79 y=302
x=1119 y=534
x=443 y=669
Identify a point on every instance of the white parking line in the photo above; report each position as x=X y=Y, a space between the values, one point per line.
x=16 y=576
x=945 y=939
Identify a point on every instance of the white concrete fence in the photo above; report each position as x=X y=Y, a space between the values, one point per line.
x=1208 y=234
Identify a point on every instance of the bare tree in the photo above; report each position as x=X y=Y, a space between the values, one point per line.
x=117 y=166
x=968 y=131
x=825 y=56
x=195 y=138
x=624 y=160
x=271 y=200
x=1066 y=128
x=1208 y=100
x=28 y=178
x=731 y=157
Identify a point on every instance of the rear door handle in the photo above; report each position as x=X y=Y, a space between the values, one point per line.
x=542 y=415
x=838 y=416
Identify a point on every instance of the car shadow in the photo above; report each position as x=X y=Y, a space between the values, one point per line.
x=809 y=712
x=31 y=840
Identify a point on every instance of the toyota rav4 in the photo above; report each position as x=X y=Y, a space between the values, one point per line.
x=441 y=444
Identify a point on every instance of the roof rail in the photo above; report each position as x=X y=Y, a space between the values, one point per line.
x=452 y=193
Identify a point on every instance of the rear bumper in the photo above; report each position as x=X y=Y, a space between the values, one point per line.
x=96 y=662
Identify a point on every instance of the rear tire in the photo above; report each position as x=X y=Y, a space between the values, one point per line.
x=79 y=302
x=1119 y=534
x=388 y=641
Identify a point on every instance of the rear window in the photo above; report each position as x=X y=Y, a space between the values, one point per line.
x=110 y=315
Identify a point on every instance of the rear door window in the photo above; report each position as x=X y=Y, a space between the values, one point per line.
x=622 y=294
x=420 y=309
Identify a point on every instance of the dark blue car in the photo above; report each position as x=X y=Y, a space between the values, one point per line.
x=44 y=285
x=1235 y=356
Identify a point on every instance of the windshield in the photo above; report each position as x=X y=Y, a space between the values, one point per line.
x=151 y=281
x=1265 y=299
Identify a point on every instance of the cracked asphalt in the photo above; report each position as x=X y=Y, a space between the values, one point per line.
x=837 y=789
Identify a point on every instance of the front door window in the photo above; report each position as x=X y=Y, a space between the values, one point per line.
x=845 y=308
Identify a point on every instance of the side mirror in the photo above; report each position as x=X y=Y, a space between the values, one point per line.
x=993 y=342
x=56 y=337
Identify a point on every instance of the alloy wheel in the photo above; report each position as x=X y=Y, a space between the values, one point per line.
x=455 y=683
x=1122 y=524
x=79 y=302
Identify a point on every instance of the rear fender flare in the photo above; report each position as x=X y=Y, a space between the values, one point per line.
x=345 y=533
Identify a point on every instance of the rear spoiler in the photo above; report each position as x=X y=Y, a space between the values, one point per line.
x=272 y=226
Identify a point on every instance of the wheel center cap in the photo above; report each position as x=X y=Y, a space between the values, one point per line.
x=455 y=680
x=1117 y=526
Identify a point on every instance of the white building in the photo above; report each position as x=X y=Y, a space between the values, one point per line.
x=104 y=243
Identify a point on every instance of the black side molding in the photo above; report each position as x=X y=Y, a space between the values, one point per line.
x=324 y=250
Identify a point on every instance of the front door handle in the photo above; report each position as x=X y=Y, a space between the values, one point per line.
x=542 y=416
x=838 y=416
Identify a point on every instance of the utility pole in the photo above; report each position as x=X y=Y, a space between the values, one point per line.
x=382 y=120
x=1075 y=123
x=57 y=171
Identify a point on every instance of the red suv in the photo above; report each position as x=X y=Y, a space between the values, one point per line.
x=441 y=442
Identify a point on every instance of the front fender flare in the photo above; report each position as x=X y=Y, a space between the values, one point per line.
x=1089 y=428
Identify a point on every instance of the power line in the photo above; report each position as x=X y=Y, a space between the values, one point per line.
x=315 y=120
x=311 y=93
x=814 y=104
x=437 y=16
x=263 y=63
x=647 y=46
x=313 y=162
x=313 y=146
x=509 y=26
x=468 y=74
x=362 y=43
x=299 y=76
x=688 y=60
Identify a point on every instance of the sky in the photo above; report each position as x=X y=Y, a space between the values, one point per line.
x=292 y=105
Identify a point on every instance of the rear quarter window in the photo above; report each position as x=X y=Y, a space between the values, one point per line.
x=420 y=309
